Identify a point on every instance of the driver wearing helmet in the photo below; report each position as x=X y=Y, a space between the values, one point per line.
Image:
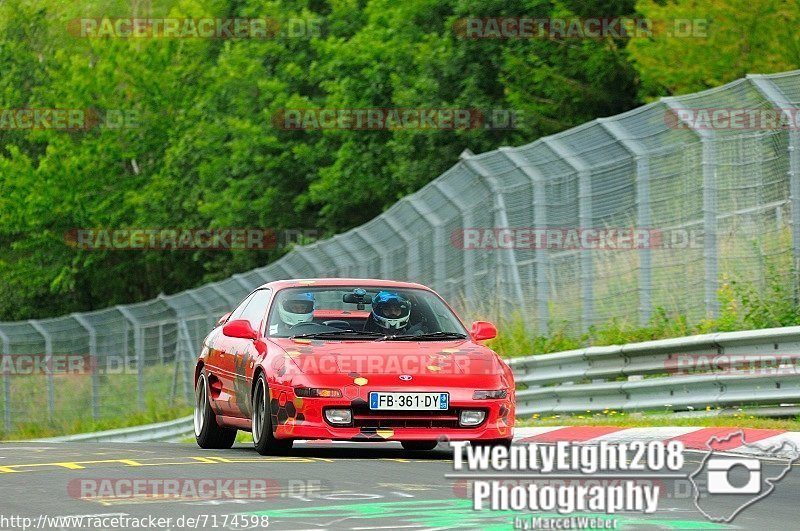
x=296 y=308
x=390 y=315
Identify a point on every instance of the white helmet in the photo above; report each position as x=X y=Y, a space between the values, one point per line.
x=399 y=310
x=297 y=308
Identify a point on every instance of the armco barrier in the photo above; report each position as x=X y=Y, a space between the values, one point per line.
x=162 y=431
x=751 y=368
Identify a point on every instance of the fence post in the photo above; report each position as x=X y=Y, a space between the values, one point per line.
x=541 y=253
x=383 y=258
x=227 y=297
x=772 y=93
x=301 y=251
x=243 y=283
x=644 y=221
x=138 y=348
x=6 y=350
x=709 y=166
x=346 y=244
x=284 y=264
x=584 y=173
x=501 y=220
x=794 y=200
x=439 y=240
x=643 y=218
x=358 y=232
x=48 y=347
x=95 y=362
x=454 y=197
x=210 y=319
x=412 y=244
x=334 y=259
x=183 y=341
x=710 y=224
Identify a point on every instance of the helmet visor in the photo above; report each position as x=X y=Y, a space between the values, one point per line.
x=298 y=306
x=393 y=310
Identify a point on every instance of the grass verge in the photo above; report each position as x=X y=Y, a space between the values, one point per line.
x=116 y=396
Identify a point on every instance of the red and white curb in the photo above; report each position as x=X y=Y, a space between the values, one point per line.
x=759 y=442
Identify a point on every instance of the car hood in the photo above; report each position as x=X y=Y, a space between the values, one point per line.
x=413 y=358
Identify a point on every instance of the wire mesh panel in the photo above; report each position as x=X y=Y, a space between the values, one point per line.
x=232 y=291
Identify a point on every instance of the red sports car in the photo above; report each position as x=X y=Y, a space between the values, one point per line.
x=350 y=360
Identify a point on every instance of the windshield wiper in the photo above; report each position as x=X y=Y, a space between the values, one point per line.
x=431 y=335
x=337 y=333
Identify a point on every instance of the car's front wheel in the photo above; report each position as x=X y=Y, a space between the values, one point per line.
x=263 y=438
x=207 y=432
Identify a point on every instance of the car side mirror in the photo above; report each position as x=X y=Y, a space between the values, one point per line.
x=482 y=330
x=223 y=318
x=240 y=328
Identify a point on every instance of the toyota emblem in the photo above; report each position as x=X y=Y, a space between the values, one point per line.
x=405 y=377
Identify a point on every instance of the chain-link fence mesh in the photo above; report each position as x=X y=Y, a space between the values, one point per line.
x=730 y=193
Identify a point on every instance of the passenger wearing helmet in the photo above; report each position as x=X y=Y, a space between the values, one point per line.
x=390 y=314
x=296 y=308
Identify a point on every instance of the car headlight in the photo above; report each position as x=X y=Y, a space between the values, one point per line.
x=483 y=395
x=314 y=392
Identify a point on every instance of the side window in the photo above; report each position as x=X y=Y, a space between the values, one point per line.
x=256 y=308
x=236 y=314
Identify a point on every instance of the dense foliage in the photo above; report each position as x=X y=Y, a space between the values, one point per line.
x=204 y=151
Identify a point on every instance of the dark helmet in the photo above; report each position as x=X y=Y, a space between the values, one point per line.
x=390 y=310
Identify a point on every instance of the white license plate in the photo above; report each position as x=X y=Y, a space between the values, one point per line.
x=409 y=401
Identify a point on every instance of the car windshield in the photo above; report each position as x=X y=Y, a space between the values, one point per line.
x=368 y=313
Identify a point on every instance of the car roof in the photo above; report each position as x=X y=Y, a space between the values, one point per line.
x=334 y=282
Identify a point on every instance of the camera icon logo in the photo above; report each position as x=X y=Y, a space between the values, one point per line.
x=720 y=472
x=724 y=485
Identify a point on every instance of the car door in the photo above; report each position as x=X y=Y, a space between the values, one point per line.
x=244 y=353
x=219 y=359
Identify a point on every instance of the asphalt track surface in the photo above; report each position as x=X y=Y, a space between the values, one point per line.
x=354 y=486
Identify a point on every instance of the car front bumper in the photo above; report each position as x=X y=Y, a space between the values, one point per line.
x=294 y=417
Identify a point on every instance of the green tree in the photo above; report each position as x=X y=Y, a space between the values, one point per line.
x=730 y=39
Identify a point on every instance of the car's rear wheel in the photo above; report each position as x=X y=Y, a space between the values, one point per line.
x=207 y=432
x=263 y=439
x=492 y=442
x=418 y=446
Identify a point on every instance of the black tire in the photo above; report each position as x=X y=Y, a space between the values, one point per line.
x=492 y=442
x=419 y=446
x=264 y=440
x=207 y=432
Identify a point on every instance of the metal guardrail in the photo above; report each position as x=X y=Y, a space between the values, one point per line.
x=735 y=369
x=162 y=431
